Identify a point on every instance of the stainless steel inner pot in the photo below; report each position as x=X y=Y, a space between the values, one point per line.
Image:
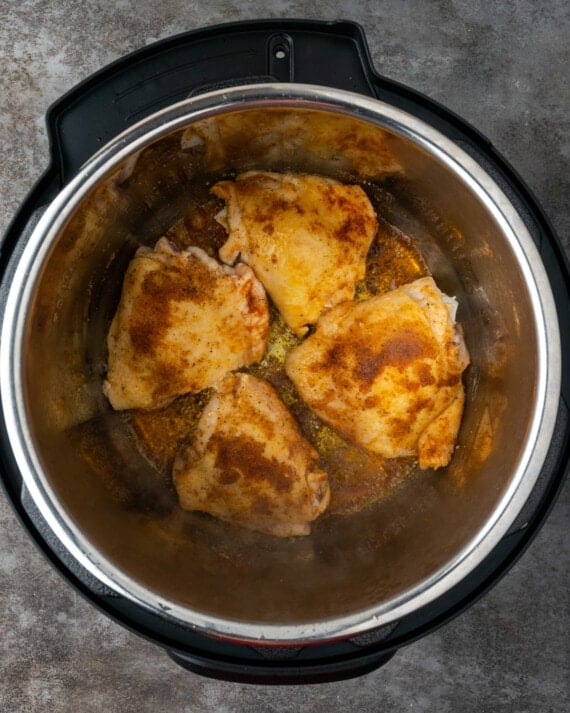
x=99 y=495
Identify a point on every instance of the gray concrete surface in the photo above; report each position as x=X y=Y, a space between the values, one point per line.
x=501 y=65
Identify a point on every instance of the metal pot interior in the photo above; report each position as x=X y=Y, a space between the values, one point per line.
x=124 y=513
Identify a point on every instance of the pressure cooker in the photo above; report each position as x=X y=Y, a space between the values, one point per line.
x=244 y=606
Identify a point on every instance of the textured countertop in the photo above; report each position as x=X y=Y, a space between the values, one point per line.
x=503 y=66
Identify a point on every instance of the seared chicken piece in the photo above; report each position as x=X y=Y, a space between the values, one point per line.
x=386 y=372
x=249 y=464
x=182 y=323
x=306 y=238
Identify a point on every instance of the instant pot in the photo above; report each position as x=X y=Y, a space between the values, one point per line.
x=127 y=146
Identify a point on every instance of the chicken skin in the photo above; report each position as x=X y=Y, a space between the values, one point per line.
x=386 y=372
x=249 y=464
x=182 y=323
x=306 y=238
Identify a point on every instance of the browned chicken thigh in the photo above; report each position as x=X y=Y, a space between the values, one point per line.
x=249 y=464
x=306 y=238
x=386 y=372
x=182 y=323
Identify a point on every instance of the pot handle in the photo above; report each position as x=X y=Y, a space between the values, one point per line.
x=332 y=54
